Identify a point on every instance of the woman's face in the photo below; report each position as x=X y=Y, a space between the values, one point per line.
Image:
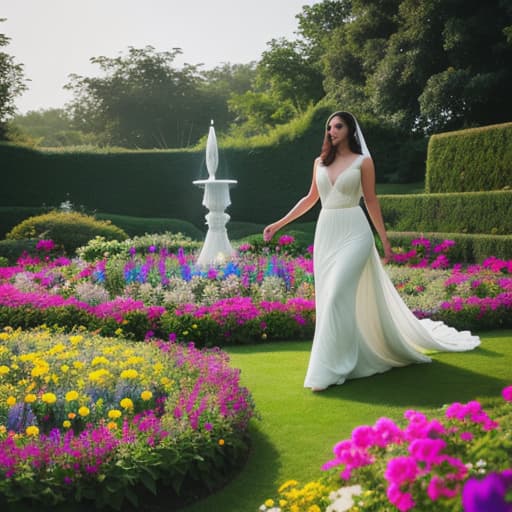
x=337 y=129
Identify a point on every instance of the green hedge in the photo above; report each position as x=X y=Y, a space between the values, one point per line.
x=271 y=178
x=470 y=160
x=466 y=212
x=469 y=248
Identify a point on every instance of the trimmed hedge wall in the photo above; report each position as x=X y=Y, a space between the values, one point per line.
x=470 y=160
x=465 y=212
x=468 y=248
x=271 y=178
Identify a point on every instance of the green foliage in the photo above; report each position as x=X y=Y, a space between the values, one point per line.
x=12 y=83
x=273 y=172
x=469 y=248
x=427 y=65
x=465 y=212
x=99 y=246
x=11 y=250
x=141 y=225
x=69 y=230
x=473 y=159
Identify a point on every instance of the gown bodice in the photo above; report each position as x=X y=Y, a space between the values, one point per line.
x=346 y=191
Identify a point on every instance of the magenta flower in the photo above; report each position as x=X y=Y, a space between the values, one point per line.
x=286 y=240
x=45 y=245
x=507 y=393
x=403 y=501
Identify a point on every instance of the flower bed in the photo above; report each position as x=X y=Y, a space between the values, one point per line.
x=425 y=464
x=86 y=418
x=259 y=295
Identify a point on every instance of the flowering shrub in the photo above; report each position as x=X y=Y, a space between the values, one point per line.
x=153 y=289
x=427 y=464
x=84 y=417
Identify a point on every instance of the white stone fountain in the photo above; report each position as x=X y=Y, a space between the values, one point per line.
x=216 y=247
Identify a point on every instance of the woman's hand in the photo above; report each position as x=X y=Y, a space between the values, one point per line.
x=388 y=252
x=269 y=232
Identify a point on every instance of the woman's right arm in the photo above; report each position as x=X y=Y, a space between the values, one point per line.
x=303 y=205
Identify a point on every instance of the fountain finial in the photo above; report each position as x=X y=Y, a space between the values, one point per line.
x=212 y=153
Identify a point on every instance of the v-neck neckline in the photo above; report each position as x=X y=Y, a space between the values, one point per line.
x=333 y=183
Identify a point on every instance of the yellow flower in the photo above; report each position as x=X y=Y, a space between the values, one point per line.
x=185 y=333
x=111 y=425
x=99 y=375
x=3 y=429
x=118 y=331
x=78 y=365
x=71 y=395
x=283 y=503
x=40 y=369
x=288 y=483
x=11 y=400
x=99 y=360
x=314 y=508
x=294 y=508
x=194 y=326
x=221 y=442
x=49 y=398
x=113 y=414
x=269 y=503
x=64 y=368
x=126 y=403
x=74 y=340
x=129 y=374
x=66 y=423
x=134 y=360
x=4 y=370
x=30 y=398
x=146 y=395
x=84 y=411
x=4 y=336
x=32 y=431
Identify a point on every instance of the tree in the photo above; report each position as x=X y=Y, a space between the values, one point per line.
x=141 y=101
x=219 y=84
x=12 y=83
x=424 y=65
x=47 y=127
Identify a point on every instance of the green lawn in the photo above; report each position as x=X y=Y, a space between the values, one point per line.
x=298 y=428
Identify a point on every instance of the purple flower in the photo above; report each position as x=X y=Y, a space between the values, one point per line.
x=488 y=493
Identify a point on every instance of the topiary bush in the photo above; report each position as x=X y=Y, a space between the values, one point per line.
x=69 y=230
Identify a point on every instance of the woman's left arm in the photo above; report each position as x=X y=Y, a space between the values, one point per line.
x=373 y=206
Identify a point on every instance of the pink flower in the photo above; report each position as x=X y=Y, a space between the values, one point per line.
x=401 y=470
x=427 y=450
x=507 y=393
x=437 y=489
x=286 y=240
x=403 y=501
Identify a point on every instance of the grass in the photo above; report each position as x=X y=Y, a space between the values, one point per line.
x=298 y=428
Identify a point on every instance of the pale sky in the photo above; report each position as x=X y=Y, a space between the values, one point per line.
x=54 y=38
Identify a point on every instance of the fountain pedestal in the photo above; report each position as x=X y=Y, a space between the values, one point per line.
x=216 y=198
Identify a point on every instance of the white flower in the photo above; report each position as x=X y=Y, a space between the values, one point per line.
x=342 y=498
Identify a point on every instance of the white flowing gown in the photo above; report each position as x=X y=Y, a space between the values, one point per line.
x=363 y=326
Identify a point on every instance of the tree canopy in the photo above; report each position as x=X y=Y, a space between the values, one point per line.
x=12 y=83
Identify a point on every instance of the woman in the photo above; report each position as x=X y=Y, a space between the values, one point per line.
x=362 y=325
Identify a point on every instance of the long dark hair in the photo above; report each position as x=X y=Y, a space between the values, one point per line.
x=328 y=153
